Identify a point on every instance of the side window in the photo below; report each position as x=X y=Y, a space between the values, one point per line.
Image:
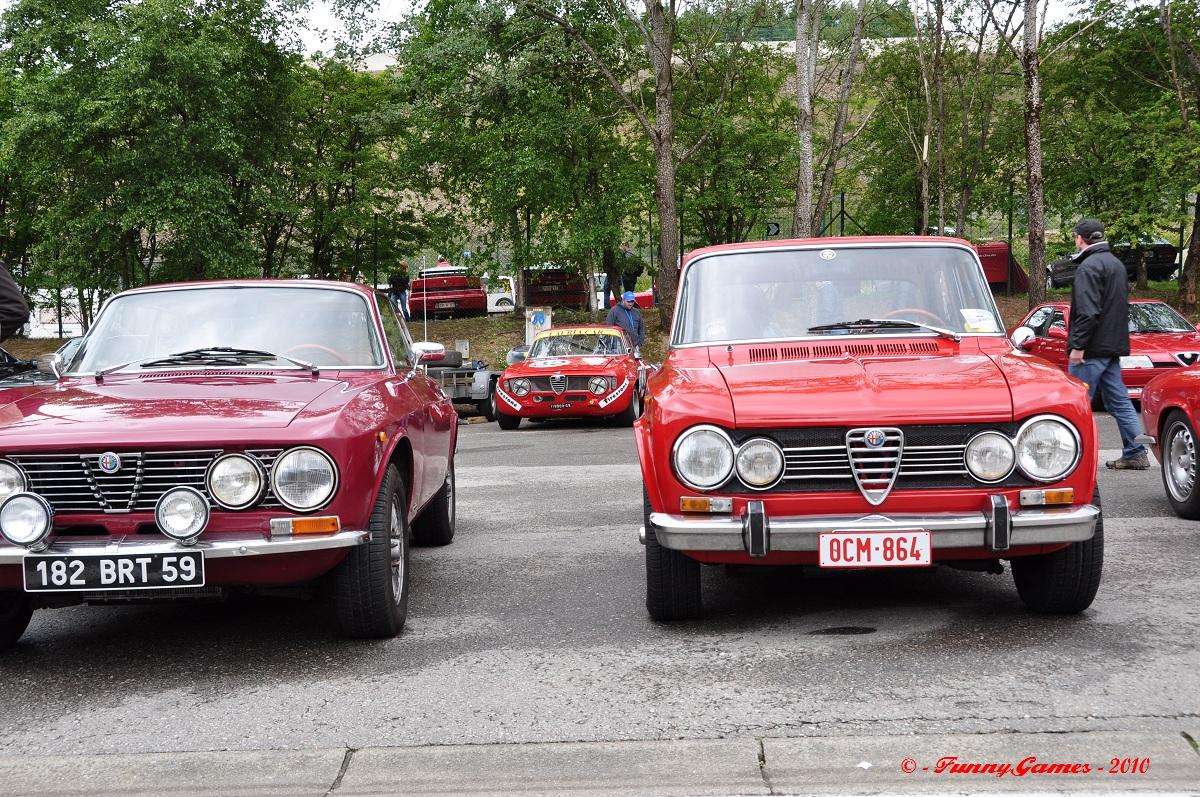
x=397 y=333
x=1057 y=320
x=1039 y=322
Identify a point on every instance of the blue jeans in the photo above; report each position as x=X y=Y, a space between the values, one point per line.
x=1104 y=374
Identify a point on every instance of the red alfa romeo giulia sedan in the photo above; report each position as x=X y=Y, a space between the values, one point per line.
x=855 y=403
x=217 y=436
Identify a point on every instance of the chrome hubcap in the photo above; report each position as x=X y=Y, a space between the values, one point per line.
x=450 y=495
x=1181 y=462
x=395 y=536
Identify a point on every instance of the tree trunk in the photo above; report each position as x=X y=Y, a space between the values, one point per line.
x=662 y=47
x=1189 y=275
x=1033 y=149
x=1142 y=278
x=836 y=139
x=807 y=36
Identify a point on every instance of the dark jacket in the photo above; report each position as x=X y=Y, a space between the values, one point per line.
x=1099 y=304
x=14 y=312
x=629 y=320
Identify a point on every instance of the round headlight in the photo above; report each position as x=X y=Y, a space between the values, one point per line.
x=12 y=480
x=759 y=463
x=598 y=385
x=26 y=519
x=703 y=457
x=182 y=513
x=235 y=481
x=990 y=456
x=1047 y=448
x=519 y=387
x=304 y=479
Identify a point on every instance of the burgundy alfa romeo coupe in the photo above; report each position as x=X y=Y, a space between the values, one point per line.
x=855 y=403
x=216 y=436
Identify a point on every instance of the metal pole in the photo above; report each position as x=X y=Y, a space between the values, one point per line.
x=374 y=251
x=425 y=305
x=842 y=215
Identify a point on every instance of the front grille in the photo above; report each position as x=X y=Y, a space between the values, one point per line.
x=75 y=483
x=816 y=458
x=546 y=383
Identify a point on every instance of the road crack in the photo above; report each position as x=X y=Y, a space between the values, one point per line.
x=1191 y=741
x=762 y=765
x=350 y=751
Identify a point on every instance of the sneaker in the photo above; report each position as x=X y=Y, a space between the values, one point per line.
x=1138 y=461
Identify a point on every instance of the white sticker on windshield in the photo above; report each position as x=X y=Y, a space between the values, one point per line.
x=975 y=320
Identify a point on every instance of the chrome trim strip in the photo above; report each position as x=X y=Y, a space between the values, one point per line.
x=949 y=530
x=218 y=547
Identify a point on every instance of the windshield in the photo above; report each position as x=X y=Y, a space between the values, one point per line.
x=577 y=344
x=783 y=294
x=1156 y=317
x=325 y=327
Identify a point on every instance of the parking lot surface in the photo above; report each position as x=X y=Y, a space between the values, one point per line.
x=530 y=628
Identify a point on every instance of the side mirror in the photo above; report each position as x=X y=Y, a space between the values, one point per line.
x=1021 y=336
x=429 y=352
x=637 y=353
x=1057 y=332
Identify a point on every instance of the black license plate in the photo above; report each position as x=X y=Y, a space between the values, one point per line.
x=116 y=571
x=564 y=405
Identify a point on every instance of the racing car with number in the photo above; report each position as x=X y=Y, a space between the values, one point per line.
x=582 y=371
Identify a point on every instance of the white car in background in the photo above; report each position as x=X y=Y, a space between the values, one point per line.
x=501 y=293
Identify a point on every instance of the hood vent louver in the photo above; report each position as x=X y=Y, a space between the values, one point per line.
x=825 y=351
x=174 y=374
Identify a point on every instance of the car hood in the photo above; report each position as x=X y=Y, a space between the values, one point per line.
x=546 y=366
x=1162 y=346
x=942 y=388
x=149 y=406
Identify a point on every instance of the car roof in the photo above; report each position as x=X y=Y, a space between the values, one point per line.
x=254 y=283
x=830 y=242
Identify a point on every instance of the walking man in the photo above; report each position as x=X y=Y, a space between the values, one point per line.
x=628 y=317
x=398 y=293
x=14 y=311
x=1099 y=336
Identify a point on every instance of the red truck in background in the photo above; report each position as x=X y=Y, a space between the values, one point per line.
x=448 y=291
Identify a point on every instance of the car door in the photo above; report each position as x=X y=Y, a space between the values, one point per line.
x=1055 y=340
x=420 y=407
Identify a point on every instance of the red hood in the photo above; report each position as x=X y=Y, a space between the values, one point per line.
x=162 y=407
x=947 y=387
x=1163 y=346
x=577 y=366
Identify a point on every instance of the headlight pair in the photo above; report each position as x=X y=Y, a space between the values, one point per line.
x=1046 y=449
x=303 y=479
x=26 y=519
x=705 y=457
x=599 y=385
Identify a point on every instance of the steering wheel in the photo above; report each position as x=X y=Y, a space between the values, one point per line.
x=323 y=349
x=930 y=317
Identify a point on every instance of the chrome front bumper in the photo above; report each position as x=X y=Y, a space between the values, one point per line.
x=997 y=530
x=218 y=547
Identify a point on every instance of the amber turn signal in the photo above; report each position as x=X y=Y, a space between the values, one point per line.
x=689 y=503
x=1048 y=497
x=286 y=527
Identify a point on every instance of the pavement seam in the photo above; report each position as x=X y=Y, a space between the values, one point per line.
x=1195 y=746
x=762 y=765
x=350 y=751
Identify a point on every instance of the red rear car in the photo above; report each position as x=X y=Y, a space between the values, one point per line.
x=1160 y=340
x=233 y=435
x=854 y=403
x=582 y=371
x=446 y=291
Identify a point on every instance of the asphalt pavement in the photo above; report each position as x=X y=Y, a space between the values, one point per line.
x=529 y=664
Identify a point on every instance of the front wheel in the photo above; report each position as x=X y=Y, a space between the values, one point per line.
x=672 y=578
x=15 y=612
x=370 y=586
x=487 y=407
x=1179 y=465
x=630 y=413
x=435 y=526
x=1066 y=581
x=507 y=421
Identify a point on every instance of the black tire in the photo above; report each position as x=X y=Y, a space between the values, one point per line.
x=487 y=407
x=1063 y=582
x=15 y=611
x=672 y=579
x=1179 y=465
x=507 y=421
x=435 y=526
x=630 y=414
x=365 y=583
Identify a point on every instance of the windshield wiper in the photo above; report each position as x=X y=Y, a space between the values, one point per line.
x=885 y=323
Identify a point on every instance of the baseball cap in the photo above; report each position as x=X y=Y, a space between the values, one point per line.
x=1090 y=230
x=628 y=296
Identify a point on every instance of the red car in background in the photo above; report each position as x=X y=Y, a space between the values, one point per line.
x=583 y=371
x=854 y=402
x=554 y=286
x=446 y=291
x=1160 y=340
x=1171 y=415
x=242 y=435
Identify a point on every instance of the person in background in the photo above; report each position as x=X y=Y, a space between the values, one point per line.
x=14 y=310
x=1099 y=336
x=631 y=267
x=398 y=291
x=628 y=317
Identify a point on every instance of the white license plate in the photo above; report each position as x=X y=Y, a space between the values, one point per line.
x=445 y=305
x=875 y=549
x=53 y=573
